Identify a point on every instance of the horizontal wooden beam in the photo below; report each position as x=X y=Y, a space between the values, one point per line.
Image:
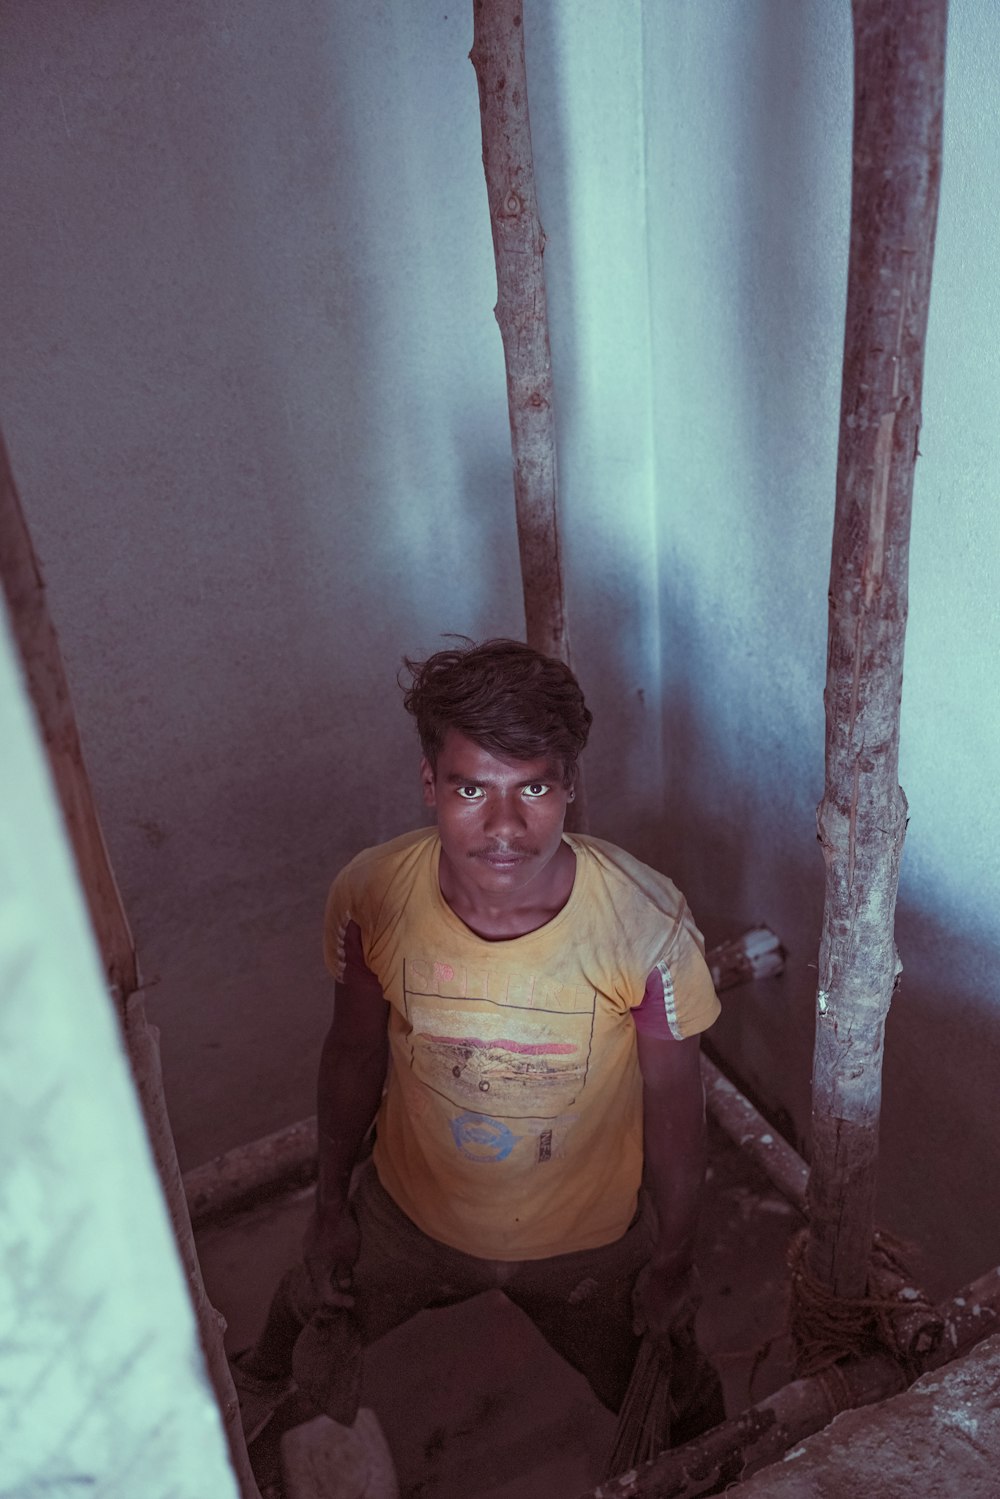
x=253 y=1173
x=765 y=1432
x=751 y=1132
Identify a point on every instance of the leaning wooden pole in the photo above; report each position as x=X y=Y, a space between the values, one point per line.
x=518 y=243
x=38 y=646
x=899 y=48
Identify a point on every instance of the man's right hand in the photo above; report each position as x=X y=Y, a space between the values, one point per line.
x=330 y=1249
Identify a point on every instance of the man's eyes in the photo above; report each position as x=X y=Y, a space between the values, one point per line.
x=533 y=792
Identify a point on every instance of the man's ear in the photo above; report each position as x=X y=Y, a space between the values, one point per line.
x=427 y=782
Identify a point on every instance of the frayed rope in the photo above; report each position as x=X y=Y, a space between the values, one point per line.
x=895 y=1318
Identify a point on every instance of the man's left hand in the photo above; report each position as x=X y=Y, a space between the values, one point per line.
x=665 y=1300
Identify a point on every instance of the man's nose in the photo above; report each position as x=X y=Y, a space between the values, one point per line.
x=505 y=817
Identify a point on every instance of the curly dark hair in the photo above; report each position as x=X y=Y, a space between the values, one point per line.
x=503 y=695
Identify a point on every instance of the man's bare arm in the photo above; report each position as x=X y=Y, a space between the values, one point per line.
x=674 y=1149
x=352 y=1074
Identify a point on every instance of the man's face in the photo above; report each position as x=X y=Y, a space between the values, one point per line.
x=500 y=821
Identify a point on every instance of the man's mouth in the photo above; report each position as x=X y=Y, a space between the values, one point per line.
x=502 y=858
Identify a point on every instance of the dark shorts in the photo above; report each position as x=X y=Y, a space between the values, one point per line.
x=580 y=1302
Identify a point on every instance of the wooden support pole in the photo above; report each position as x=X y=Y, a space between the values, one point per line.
x=41 y=657
x=143 y=1043
x=899 y=48
x=518 y=243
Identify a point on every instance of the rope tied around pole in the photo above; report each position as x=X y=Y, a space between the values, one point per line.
x=894 y=1317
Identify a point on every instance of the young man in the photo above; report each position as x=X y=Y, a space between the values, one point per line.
x=521 y=1009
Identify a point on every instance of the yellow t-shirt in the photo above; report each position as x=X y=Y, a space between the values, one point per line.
x=511 y=1126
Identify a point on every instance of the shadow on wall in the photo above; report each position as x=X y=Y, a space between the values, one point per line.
x=742 y=794
x=940 y=1136
x=347 y=473
x=345 y=439
x=940 y=1128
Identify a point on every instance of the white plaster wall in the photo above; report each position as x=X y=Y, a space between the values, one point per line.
x=748 y=152
x=102 y=1385
x=254 y=398
x=748 y=138
x=250 y=405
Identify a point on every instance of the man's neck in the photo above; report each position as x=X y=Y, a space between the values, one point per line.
x=500 y=917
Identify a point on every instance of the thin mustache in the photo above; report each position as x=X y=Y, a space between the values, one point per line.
x=502 y=853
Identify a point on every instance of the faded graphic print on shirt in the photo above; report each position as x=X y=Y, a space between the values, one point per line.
x=498 y=1040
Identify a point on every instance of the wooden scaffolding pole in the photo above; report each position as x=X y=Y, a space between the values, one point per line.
x=38 y=645
x=899 y=48
x=518 y=243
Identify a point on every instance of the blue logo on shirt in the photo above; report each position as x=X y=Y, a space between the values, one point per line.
x=481 y=1138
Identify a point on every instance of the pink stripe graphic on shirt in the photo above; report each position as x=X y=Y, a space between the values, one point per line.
x=525 y=1048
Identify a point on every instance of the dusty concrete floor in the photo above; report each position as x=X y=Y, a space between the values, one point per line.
x=473 y=1402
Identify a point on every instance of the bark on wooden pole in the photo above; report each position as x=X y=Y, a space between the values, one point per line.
x=899 y=48
x=46 y=678
x=41 y=658
x=518 y=243
x=143 y=1041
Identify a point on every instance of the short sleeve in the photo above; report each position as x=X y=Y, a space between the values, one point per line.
x=338 y=914
x=679 y=992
